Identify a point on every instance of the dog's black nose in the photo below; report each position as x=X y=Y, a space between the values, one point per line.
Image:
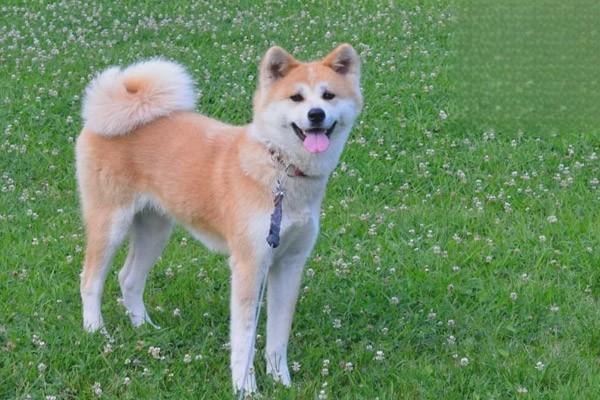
x=316 y=115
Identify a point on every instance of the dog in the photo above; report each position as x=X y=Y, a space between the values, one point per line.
x=145 y=160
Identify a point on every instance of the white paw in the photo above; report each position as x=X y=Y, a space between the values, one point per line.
x=91 y=325
x=282 y=376
x=248 y=385
x=141 y=318
x=278 y=369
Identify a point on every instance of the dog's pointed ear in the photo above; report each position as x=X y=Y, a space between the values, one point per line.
x=344 y=60
x=276 y=64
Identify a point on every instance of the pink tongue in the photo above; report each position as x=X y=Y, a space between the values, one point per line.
x=316 y=142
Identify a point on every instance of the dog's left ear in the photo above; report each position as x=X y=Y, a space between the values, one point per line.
x=276 y=64
x=344 y=60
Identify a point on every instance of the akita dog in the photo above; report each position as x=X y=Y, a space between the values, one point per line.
x=146 y=159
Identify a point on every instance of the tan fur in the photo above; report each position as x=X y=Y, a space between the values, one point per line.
x=214 y=178
x=192 y=164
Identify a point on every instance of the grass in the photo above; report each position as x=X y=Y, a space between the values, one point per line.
x=458 y=257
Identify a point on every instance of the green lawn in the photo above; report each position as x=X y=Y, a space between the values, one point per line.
x=459 y=255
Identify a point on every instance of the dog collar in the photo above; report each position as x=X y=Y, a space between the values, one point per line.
x=290 y=169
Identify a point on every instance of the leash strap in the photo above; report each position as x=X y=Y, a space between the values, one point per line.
x=275 y=227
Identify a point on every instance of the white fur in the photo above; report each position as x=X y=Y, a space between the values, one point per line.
x=91 y=294
x=243 y=306
x=150 y=231
x=273 y=127
x=210 y=240
x=300 y=224
x=149 y=234
x=299 y=230
x=151 y=227
x=284 y=281
x=110 y=110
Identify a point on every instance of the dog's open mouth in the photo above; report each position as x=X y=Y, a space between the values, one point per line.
x=315 y=140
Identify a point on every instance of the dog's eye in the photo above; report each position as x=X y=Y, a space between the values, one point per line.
x=297 y=98
x=328 y=96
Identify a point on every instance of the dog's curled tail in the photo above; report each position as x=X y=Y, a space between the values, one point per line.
x=119 y=100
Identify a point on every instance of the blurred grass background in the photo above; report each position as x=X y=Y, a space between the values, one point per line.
x=531 y=65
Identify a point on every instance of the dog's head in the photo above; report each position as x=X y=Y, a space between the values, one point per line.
x=306 y=110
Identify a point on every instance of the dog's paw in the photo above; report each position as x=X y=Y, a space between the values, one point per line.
x=248 y=386
x=92 y=325
x=139 y=319
x=282 y=376
x=278 y=369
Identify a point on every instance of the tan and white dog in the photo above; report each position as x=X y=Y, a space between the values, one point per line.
x=145 y=159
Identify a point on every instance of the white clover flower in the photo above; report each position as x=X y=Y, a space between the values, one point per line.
x=35 y=339
x=522 y=390
x=97 y=389
x=540 y=366
x=154 y=352
x=464 y=362
x=107 y=348
x=42 y=368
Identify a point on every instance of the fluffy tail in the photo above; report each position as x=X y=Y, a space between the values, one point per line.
x=117 y=101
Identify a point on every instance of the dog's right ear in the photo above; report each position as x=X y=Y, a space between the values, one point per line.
x=276 y=64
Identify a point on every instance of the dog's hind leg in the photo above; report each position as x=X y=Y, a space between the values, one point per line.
x=105 y=228
x=149 y=234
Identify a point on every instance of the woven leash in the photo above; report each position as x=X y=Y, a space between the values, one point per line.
x=273 y=242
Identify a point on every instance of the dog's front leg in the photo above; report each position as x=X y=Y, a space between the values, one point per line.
x=247 y=273
x=285 y=277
